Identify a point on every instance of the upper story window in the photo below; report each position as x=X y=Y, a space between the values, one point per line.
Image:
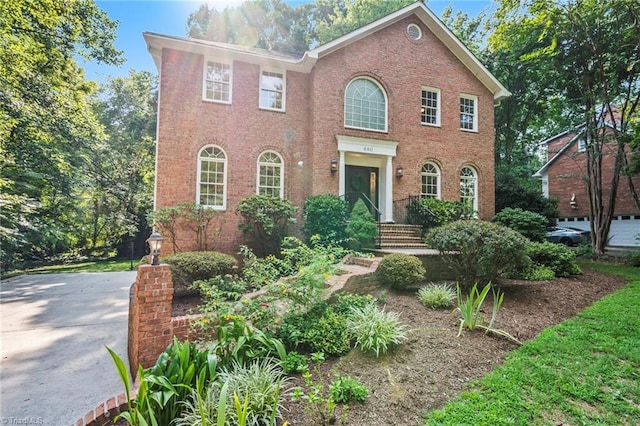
x=270 y=175
x=365 y=105
x=414 y=32
x=272 y=90
x=469 y=187
x=430 y=181
x=430 y=113
x=469 y=113
x=582 y=144
x=217 y=82
x=212 y=178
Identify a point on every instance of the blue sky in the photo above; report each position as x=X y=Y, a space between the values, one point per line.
x=170 y=17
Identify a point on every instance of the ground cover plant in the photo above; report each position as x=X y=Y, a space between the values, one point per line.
x=432 y=365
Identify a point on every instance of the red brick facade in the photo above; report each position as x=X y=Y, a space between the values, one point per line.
x=306 y=134
x=564 y=178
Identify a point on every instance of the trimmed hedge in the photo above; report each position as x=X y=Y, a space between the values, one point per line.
x=400 y=271
x=192 y=266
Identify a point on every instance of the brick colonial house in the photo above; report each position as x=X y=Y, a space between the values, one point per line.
x=563 y=177
x=399 y=107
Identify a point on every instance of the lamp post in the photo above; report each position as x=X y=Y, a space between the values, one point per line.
x=155 y=245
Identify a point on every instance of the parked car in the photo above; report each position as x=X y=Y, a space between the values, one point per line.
x=567 y=236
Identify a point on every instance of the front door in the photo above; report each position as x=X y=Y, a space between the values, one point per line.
x=361 y=182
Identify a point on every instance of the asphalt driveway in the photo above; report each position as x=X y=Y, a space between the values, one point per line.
x=54 y=367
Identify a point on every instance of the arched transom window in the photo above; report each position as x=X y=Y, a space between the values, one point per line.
x=469 y=187
x=212 y=178
x=365 y=105
x=270 y=175
x=430 y=181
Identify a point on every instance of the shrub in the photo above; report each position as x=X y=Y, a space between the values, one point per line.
x=191 y=266
x=295 y=363
x=320 y=329
x=556 y=257
x=264 y=222
x=345 y=389
x=326 y=216
x=197 y=219
x=530 y=224
x=431 y=212
x=374 y=329
x=631 y=258
x=475 y=249
x=361 y=229
x=538 y=273
x=400 y=271
x=437 y=296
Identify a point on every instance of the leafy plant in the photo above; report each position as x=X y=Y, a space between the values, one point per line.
x=264 y=222
x=431 y=212
x=375 y=330
x=319 y=405
x=326 y=216
x=295 y=363
x=192 y=266
x=196 y=218
x=470 y=310
x=345 y=389
x=228 y=286
x=320 y=329
x=262 y=384
x=557 y=257
x=400 y=271
x=361 y=228
x=136 y=410
x=530 y=224
x=477 y=250
x=538 y=273
x=437 y=295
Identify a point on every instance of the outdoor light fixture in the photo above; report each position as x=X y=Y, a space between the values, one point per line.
x=334 y=165
x=155 y=244
x=399 y=171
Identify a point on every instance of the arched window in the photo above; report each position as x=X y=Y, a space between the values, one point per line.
x=430 y=181
x=270 y=175
x=212 y=178
x=365 y=105
x=469 y=187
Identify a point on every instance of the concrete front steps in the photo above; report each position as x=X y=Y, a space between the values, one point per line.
x=399 y=236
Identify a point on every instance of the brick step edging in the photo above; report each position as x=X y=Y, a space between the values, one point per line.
x=104 y=413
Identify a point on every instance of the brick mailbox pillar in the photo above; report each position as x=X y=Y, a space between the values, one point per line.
x=150 y=301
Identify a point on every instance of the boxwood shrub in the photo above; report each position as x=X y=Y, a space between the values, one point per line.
x=530 y=224
x=557 y=257
x=191 y=266
x=400 y=271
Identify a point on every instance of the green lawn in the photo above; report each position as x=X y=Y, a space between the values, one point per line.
x=113 y=265
x=585 y=371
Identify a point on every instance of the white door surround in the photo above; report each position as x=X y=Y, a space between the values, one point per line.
x=367 y=152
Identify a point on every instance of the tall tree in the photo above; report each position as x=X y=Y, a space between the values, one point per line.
x=589 y=52
x=46 y=123
x=119 y=181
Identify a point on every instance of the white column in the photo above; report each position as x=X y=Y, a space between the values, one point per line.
x=342 y=171
x=388 y=193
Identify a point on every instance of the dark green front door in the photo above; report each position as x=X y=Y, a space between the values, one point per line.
x=360 y=182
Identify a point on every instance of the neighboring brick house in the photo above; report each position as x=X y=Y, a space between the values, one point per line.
x=399 y=107
x=563 y=177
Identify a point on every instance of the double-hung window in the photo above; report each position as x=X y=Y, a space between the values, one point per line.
x=430 y=113
x=272 y=90
x=212 y=178
x=217 y=82
x=270 y=175
x=469 y=113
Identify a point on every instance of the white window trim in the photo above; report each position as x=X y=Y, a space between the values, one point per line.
x=582 y=144
x=259 y=163
x=204 y=81
x=438 y=186
x=284 y=89
x=199 y=170
x=386 y=107
x=438 y=109
x=419 y=35
x=475 y=187
x=475 y=112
